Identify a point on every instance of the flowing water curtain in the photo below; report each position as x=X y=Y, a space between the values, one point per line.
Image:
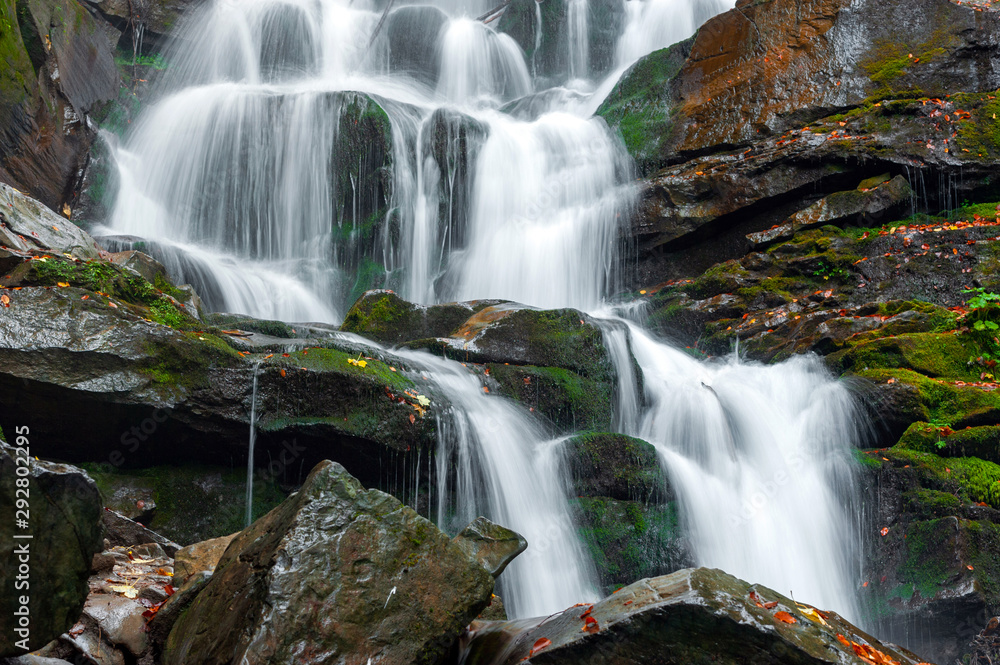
x=761 y=460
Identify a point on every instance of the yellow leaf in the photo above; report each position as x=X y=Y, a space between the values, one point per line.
x=62 y=284
x=361 y=363
x=812 y=614
x=423 y=400
x=126 y=590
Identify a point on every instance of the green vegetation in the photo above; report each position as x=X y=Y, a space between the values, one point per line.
x=155 y=60
x=335 y=360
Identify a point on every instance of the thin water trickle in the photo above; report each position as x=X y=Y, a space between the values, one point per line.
x=253 y=439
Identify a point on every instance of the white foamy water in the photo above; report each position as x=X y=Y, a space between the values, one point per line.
x=760 y=459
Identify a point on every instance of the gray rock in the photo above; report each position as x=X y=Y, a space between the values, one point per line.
x=26 y=225
x=334 y=572
x=491 y=545
x=63 y=517
x=691 y=616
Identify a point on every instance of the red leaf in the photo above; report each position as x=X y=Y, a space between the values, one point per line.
x=169 y=589
x=785 y=617
x=771 y=605
x=540 y=644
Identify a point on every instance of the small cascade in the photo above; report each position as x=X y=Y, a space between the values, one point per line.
x=494 y=460
x=760 y=459
x=253 y=440
x=579 y=43
x=480 y=67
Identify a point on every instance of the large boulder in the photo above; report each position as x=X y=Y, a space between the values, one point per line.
x=334 y=572
x=45 y=577
x=691 y=616
x=767 y=67
x=26 y=225
x=58 y=67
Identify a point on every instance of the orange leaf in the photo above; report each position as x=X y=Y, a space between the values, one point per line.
x=540 y=644
x=590 y=625
x=412 y=419
x=771 y=605
x=785 y=617
x=587 y=612
x=884 y=531
x=282 y=372
x=843 y=640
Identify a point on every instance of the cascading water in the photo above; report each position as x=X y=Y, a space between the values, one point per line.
x=507 y=469
x=760 y=459
x=305 y=151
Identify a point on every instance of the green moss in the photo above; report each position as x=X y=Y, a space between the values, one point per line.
x=971 y=479
x=943 y=402
x=569 y=400
x=888 y=61
x=941 y=355
x=640 y=106
x=928 y=565
x=867 y=459
x=930 y=504
x=629 y=540
x=335 y=360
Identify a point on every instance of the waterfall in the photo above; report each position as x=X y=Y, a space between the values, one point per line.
x=253 y=440
x=577 y=20
x=302 y=151
x=760 y=459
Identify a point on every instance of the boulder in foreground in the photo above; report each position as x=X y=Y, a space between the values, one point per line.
x=335 y=572
x=697 y=615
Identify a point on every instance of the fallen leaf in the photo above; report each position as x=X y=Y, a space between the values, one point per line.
x=62 y=284
x=126 y=590
x=5 y=300
x=282 y=372
x=785 y=617
x=843 y=640
x=413 y=419
x=590 y=625
x=771 y=605
x=884 y=531
x=813 y=614
x=540 y=644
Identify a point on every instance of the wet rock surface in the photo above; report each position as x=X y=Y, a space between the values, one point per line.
x=395 y=588
x=62 y=518
x=693 y=615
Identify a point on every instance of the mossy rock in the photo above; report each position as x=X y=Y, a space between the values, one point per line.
x=571 y=402
x=937 y=355
x=388 y=319
x=640 y=107
x=631 y=540
x=616 y=466
x=982 y=442
x=971 y=479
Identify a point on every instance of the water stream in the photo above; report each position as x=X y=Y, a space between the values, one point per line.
x=302 y=151
x=253 y=440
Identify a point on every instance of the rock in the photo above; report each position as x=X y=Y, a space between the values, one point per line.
x=616 y=466
x=492 y=545
x=136 y=393
x=854 y=207
x=59 y=67
x=30 y=659
x=27 y=225
x=119 y=620
x=755 y=70
x=64 y=507
x=123 y=532
x=282 y=592
x=935 y=564
x=388 y=319
x=413 y=34
x=144 y=264
x=693 y=615
x=157 y=16
x=200 y=557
